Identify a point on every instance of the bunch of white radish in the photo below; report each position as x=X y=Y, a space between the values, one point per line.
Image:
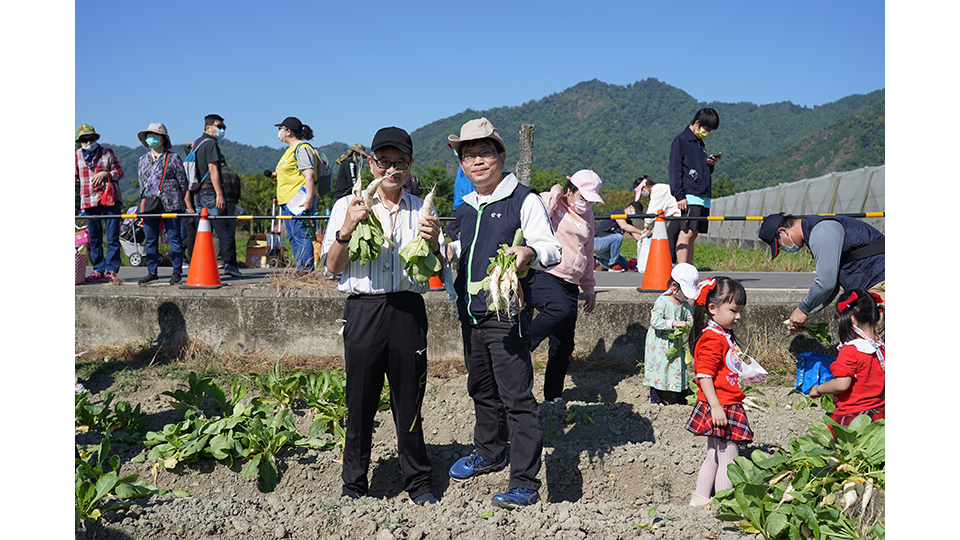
x=368 y=237
x=503 y=281
x=418 y=259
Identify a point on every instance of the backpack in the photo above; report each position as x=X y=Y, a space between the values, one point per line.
x=324 y=175
x=322 y=167
x=190 y=166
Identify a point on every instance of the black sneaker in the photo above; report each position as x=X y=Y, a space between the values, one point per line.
x=174 y=279
x=148 y=278
x=423 y=500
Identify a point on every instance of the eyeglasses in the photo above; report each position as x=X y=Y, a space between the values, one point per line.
x=483 y=154
x=397 y=165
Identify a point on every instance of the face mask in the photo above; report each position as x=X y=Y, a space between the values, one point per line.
x=89 y=147
x=701 y=133
x=581 y=206
x=280 y=135
x=153 y=141
x=789 y=249
x=219 y=133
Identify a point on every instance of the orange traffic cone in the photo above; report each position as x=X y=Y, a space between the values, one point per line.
x=203 y=265
x=659 y=264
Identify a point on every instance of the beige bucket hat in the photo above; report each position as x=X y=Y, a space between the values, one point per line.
x=479 y=128
x=157 y=129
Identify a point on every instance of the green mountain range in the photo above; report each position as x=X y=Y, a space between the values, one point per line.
x=622 y=132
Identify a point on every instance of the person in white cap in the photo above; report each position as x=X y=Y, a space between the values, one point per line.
x=497 y=349
x=664 y=359
x=556 y=293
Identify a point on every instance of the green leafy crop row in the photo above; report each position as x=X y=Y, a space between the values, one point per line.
x=218 y=424
x=822 y=488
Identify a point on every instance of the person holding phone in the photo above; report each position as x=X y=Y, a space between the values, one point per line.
x=690 y=182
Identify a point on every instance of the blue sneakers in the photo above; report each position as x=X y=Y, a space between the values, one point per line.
x=515 y=498
x=466 y=468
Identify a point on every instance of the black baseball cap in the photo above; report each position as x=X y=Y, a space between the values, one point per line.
x=292 y=123
x=393 y=136
x=768 y=232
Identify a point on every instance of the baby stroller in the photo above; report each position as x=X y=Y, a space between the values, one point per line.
x=132 y=239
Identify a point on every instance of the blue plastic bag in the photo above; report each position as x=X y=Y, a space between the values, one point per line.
x=813 y=368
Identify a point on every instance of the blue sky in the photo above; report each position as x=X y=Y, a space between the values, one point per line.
x=122 y=65
x=348 y=72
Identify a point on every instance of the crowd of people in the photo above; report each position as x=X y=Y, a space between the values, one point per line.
x=385 y=328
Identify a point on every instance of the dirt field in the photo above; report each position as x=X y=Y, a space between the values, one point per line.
x=600 y=480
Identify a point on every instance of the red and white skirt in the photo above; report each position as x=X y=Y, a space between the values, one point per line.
x=737 y=428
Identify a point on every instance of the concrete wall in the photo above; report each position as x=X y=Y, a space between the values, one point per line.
x=306 y=323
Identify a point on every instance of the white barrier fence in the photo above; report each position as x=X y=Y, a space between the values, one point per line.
x=860 y=190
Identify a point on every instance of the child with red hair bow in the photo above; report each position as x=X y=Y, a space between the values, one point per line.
x=719 y=413
x=859 y=371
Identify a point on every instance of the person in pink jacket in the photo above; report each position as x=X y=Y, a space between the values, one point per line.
x=555 y=293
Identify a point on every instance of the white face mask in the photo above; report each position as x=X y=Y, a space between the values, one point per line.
x=89 y=147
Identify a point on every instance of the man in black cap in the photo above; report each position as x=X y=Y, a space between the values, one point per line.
x=386 y=320
x=847 y=252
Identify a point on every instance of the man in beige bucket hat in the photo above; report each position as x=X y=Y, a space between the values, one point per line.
x=497 y=345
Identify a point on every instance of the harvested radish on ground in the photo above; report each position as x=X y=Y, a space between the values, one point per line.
x=418 y=259
x=503 y=282
x=368 y=237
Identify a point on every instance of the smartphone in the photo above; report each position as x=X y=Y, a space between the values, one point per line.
x=718 y=156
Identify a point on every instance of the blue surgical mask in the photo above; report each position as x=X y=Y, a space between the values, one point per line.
x=789 y=249
x=219 y=134
x=153 y=141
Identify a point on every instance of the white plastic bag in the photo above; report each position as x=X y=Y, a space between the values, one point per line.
x=643 y=250
x=751 y=372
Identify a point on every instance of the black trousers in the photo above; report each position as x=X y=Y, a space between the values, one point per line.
x=224 y=228
x=556 y=301
x=500 y=381
x=385 y=335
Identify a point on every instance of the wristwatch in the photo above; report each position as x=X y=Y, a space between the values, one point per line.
x=341 y=240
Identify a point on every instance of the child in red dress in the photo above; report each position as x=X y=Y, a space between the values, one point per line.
x=859 y=371
x=719 y=412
